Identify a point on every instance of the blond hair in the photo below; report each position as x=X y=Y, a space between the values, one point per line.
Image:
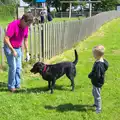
x=98 y=50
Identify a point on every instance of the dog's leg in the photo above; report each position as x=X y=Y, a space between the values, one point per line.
x=71 y=74
x=49 y=84
x=72 y=81
x=53 y=85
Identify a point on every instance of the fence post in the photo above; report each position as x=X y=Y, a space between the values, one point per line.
x=42 y=41
x=31 y=43
x=39 y=39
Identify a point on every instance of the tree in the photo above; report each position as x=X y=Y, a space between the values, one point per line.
x=10 y=1
x=66 y=5
x=27 y=1
x=106 y=5
x=54 y=3
x=57 y=4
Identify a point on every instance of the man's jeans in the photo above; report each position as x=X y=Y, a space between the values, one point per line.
x=15 y=65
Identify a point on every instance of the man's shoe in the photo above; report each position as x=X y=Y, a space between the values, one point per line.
x=18 y=87
x=12 y=90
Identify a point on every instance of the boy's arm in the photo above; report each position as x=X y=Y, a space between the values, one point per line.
x=90 y=75
x=97 y=71
x=92 y=72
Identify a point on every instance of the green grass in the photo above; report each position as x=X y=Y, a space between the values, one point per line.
x=34 y=103
x=66 y=19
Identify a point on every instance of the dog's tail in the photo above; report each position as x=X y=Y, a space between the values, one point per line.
x=76 y=58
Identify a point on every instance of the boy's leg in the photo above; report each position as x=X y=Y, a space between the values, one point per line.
x=97 y=99
x=93 y=93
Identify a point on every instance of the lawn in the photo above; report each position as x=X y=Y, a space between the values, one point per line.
x=33 y=102
x=4 y=22
x=67 y=19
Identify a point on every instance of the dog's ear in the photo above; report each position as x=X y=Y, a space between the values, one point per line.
x=40 y=63
x=39 y=66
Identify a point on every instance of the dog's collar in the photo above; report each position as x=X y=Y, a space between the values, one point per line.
x=45 y=68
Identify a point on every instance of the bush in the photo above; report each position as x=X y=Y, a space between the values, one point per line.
x=8 y=10
x=53 y=13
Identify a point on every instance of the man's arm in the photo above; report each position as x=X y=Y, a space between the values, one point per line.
x=26 y=44
x=26 y=48
x=7 y=42
x=9 y=33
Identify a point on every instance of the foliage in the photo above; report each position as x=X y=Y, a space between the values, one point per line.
x=5 y=2
x=8 y=10
x=28 y=1
x=106 y=5
x=57 y=4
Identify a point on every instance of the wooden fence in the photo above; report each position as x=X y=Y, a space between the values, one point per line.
x=50 y=39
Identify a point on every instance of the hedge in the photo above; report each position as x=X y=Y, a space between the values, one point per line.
x=7 y=10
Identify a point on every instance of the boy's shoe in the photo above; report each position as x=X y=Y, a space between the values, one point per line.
x=98 y=111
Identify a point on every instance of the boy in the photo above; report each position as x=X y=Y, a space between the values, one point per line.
x=97 y=75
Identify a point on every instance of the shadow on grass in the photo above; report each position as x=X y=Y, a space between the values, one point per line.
x=32 y=90
x=70 y=107
x=40 y=89
x=3 y=87
x=3 y=84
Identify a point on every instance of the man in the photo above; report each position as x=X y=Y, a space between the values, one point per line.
x=16 y=34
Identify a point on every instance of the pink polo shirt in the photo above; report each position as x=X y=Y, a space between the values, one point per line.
x=16 y=33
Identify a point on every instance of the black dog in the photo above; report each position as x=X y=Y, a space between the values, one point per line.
x=52 y=72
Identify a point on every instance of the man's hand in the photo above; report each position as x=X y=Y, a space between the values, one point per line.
x=14 y=53
x=7 y=42
x=27 y=57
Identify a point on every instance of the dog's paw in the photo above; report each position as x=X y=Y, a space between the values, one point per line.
x=72 y=90
x=51 y=92
x=48 y=89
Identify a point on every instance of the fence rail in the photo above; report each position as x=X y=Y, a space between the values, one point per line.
x=50 y=39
